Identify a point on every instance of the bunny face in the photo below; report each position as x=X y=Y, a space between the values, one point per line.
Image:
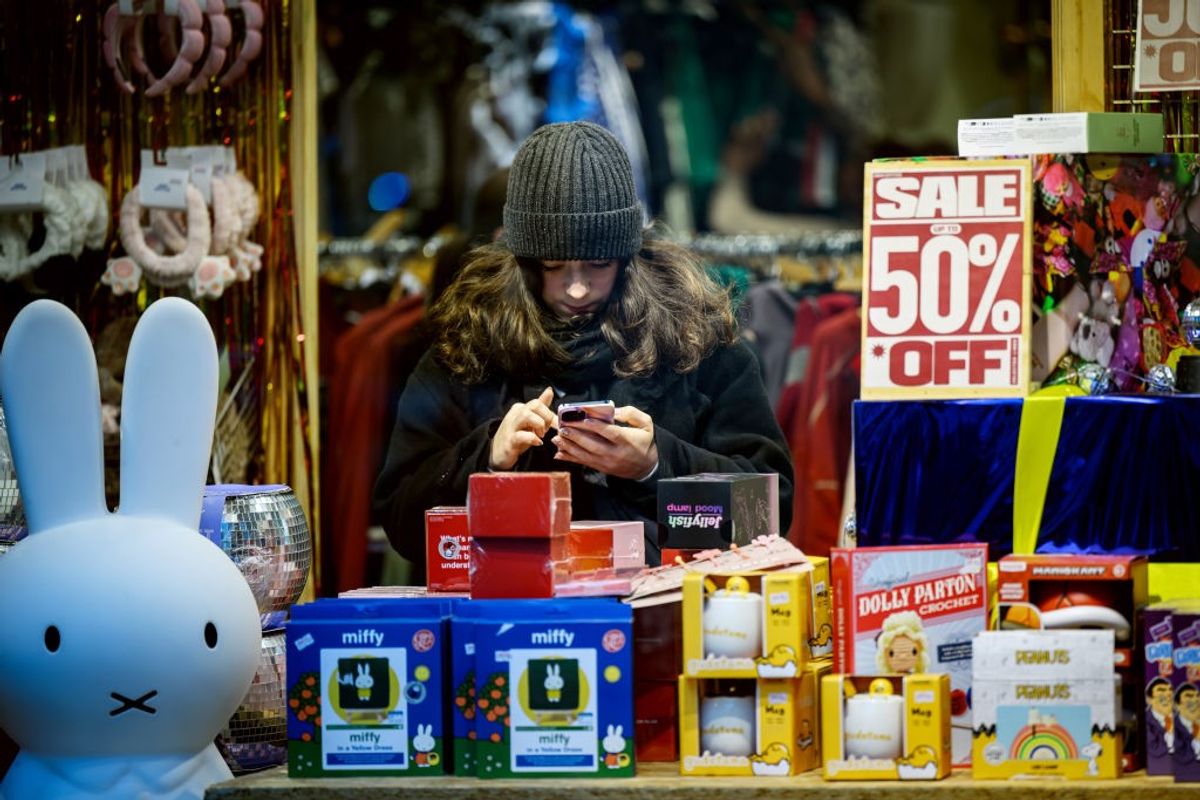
x=137 y=637
x=131 y=670
x=423 y=741
x=553 y=678
x=614 y=742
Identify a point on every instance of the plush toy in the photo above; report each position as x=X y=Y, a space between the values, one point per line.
x=1093 y=341
x=136 y=637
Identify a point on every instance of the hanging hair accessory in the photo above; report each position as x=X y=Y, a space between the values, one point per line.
x=116 y=30
x=166 y=270
x=226 y=222
x=220 y=36
x=211 y=277
x=59 y=215
x=191 y=48
x=97 y=228
x=13 y=246
x=123 y=275
x=251 y=42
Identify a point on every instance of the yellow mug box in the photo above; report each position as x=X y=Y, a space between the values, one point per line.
x=750 y=625
x=786 y=733
x=863 y=717
x=820 y=621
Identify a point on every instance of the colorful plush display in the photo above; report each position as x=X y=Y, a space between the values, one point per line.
x=1127 y=230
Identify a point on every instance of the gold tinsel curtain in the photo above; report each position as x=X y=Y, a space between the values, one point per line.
x=56 y=90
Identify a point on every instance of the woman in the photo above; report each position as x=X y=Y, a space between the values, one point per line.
x=574 y=304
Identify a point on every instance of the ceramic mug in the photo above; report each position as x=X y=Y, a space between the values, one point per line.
x=873 y=725
x=727 y=725
x=733 y=621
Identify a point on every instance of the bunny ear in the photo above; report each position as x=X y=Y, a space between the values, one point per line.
x=610 y=730
x=620 y=728
x=168 y=411
x=52 y=410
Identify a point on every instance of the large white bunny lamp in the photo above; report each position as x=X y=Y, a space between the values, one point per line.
x=130 y=638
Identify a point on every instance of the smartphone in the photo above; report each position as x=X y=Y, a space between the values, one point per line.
x=574 y=413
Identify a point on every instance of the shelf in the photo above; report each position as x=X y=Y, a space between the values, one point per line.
x=662 y=782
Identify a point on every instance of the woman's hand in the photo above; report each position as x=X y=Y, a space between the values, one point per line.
x=522 y=428
x=625 y=450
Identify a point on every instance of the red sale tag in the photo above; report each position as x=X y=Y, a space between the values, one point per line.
x=946 y=302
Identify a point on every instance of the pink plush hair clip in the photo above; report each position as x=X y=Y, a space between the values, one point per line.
x=251 y=41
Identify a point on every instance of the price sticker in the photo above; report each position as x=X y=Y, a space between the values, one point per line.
x=946 y=302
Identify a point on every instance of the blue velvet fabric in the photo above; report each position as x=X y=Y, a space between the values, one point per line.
x=1125 y=479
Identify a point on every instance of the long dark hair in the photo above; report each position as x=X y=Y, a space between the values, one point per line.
x=665 y=312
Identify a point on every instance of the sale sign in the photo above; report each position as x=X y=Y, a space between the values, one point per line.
x=946 y=301
x=1167 y=51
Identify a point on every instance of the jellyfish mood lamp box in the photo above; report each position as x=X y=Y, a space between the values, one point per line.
x=1045 y=704
x=553 y=682
x=365 y=687
x=907 y=610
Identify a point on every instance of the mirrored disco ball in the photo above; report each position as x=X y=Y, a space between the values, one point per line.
x=12 y=512
x=1189 y=320
x=256 y=735
x=264 y=531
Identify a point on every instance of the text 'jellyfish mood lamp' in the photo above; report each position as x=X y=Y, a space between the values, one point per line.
x=136 y=638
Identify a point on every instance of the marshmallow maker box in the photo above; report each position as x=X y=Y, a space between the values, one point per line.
x=1045 y=705
x=365 y=688
x=885 y=727
x=1185 y=659
x=746 y=626
x=912 y=609
x=543 y=688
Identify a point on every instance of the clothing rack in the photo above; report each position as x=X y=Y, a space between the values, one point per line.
x=814 y=257
x=362 y=262
x=833 y=243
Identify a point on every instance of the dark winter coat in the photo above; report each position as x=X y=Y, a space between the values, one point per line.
x=713 y=419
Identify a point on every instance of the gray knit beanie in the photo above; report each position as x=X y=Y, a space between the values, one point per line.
x=571 y=196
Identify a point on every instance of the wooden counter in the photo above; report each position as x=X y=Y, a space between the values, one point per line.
x=662 y=782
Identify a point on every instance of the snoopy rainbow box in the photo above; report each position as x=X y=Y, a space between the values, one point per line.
x=365 y=687
x=912 y=609
x=554 y=688
x=1045 y=704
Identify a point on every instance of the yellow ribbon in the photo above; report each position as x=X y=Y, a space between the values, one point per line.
x=1037 y=442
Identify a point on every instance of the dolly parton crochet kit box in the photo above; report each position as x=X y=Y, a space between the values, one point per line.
x=912 y=609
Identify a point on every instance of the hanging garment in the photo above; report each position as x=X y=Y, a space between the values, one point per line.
x=770 y=321
x=821 y=431
x=372 y=362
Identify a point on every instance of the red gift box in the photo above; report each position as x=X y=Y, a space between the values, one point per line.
x=589 y=547
x=658 y=640
x=626 y=541
x=655 y=711
x=516 y=568
x=447 y=550
x=519 y=504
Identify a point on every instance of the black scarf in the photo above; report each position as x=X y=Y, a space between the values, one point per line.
x=590 y=356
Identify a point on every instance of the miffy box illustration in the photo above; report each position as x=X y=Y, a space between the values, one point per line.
x=365 y=687
x=137 y=637
x=553 y=688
